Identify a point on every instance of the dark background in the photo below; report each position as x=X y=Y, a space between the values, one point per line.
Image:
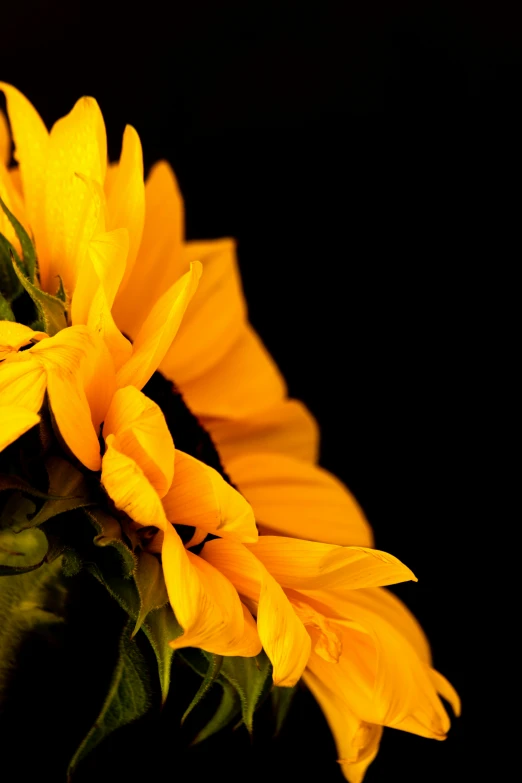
x=355 y=150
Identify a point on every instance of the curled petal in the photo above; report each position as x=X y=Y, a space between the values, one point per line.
x=293 y=498
x=142 y=434
x=13 y=336
x=282 y=634
x=14 y=422
x=200 y=497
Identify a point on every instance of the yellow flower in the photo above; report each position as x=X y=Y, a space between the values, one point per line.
x=289 y=565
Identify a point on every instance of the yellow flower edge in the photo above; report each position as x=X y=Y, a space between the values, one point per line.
x=290 y=567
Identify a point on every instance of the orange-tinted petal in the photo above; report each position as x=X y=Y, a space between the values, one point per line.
x=283 y=635
x=31 y=145
x=285 y=428
x=14 y=335
x=292 y=498
x=158 y=264
x=5 y=140
x=14 y=421
x=310 y=565
x=446 y=690
x=142 y=434
x=200 y=497
x=77 y=152
x=158 y=330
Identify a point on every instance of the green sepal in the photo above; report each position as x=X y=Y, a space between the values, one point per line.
x=22 y=552
x=52 y=314
x=281 y=699
x=229 y=708
x=214 y=667
x=109 y=534
x=151 y=586
x=127 y=700
x=6 y=313
x=28 y=253
x=8 y=482
x=160 y=628
x=61 y=295
x=9 y=283
x=251 y=679
x=27 y=601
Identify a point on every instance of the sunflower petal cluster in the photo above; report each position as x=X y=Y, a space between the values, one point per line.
x=259 y=555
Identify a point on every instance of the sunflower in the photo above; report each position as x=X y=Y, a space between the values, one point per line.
x=137 y=345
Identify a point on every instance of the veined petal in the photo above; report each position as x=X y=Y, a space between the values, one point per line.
x=292 y=498
x=31 y=145
x=14 y=336
x=126 y=200
x=218 y=303
x=357 y=742
x=14 y=422
x=309 y=565
x=200 y=497
x=142 y=434
x=128 y=487
x=286 y=428
x=77 y=152
x=22 y=383
x=205 y=603
x=283 y=635
x=158 y=331
x=245 y=381
x=159 y=263
x=5 y=140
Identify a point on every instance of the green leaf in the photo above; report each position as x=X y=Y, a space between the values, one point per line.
x=21 y=552
x=28 y=252
x=9 y=283
x=6 y=313
x=51 y=311
x=127 y=700
x=250 y=677
x=27 y=601
x=161 y=627
x=151 y=586
x=281 y=699
x=62 y=296
x=214 y=667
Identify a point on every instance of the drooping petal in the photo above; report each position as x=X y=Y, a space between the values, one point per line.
x=159 y=263
x=286 y=428
x=219 y=304
x=22 y=383
x=446 y=690
x=77 y=153
x=5 y=140
x=199 y=496
x=126 y=200
x=158 y=330
x=14 y=422
x=357 y=742
x=31 y=145
x=205 y=603
x=142 y=434
x=14 y=335
x=310 y=565
x=283 y=635
x=292 y=498
x=245 y=381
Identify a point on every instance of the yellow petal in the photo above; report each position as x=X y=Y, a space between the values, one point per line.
x=13 y=336
x=31 y=144
x=77 y=153
x=357 y=742
x=309 y=565
x=62 y=357
x=22 y=383
x=5 y=140
x=100 y=320
x=205 y=603
x=14 y=421
x=158 y=331
x=99 y=378
x=104 y=264
x=200 y=497
x=286 y=428
x=126 y=200
x=283 y=635
x=159 y=263
x=128 y=487
x=326 y=639
x=142 y=434
x=218 y=303
x=245 y=381
x=292 y=498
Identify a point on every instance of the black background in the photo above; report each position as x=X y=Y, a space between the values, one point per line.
x=354 y=150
